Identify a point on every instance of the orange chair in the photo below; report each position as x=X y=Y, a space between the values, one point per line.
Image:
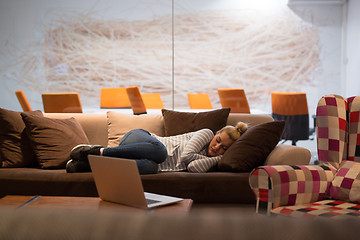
x=23 y=101
x=152 y=100
x=234 y=98
x=293 y=108
x=114 y=98
x=136 y=101
x=199 y=101
x=61 y=102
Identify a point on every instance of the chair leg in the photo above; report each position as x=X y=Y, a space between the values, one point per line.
x=293 y=142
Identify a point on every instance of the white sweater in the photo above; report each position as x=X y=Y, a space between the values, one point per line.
x=188 y=152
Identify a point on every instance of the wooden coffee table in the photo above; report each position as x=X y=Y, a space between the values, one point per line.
x=60 y=202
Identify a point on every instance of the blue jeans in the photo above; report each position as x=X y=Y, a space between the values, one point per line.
x=139 y=145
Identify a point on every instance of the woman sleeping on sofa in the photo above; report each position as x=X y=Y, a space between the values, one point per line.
x=195 y=151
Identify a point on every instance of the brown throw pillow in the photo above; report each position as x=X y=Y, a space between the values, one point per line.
x=252 y=148
x=183 y=122
x=15 y=149
x=53 y=139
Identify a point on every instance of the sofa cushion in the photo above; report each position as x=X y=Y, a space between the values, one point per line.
x=119 y=124
x=94 y=125
x=183 y=122
x=47 y=182
x=346 y=184
x=15 y=150
x=252 y=148
x=52 y=139
x=211 y=187
x=284 y=154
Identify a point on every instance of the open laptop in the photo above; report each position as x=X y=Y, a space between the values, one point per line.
x=118 y=180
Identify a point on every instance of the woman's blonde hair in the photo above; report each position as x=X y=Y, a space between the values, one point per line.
x=235 y=132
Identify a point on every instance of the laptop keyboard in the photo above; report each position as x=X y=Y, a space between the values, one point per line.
x=151 y=201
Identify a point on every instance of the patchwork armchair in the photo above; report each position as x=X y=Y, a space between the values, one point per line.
x=330 y=189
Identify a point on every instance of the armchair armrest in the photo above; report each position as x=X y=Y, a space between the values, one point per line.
x=288 y=155
x=286 y=185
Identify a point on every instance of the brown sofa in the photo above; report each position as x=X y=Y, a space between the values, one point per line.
x=211 y=187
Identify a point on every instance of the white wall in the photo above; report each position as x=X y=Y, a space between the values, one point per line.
x=328 y=18
x=20 y=21
x=352 y=49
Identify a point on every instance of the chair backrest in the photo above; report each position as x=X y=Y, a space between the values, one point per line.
x=68 y=102
x=293 y=108
x=25 y=105
x=199 y=101
x=353 y=151
x=289 y=103
x=234 y=98
x=114 y=98
x=136 y=101
x=152 y=100
x=338 y=129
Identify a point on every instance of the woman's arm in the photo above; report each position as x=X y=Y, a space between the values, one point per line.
x=191 y=156
x=203 y=165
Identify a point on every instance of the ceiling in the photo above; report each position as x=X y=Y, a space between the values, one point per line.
x=316 y=1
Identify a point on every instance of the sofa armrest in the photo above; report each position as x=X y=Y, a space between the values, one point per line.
x=288 y=155
x=286 y=185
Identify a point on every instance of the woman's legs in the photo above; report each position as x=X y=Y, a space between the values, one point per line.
x=146 y=166
x=139 y=145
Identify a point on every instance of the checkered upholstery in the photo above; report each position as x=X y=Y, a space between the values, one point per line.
x=346 y=183
x=331 y=130
x=326 y=208
x=331 y=189
x=354 y=129
x=286 y=185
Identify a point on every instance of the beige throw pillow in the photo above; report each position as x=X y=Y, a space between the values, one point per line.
x=119 y=124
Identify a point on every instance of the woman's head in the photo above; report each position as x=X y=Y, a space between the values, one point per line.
x=224 y=138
